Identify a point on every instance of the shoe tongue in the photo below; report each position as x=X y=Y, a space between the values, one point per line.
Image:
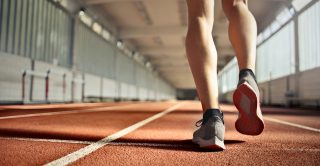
x=212 y=113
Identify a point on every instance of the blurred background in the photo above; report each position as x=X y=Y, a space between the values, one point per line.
x=118 y=50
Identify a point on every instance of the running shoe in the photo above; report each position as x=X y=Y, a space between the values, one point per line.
x=210 y=135
x=247 y=101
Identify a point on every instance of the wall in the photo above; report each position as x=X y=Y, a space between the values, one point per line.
x=79 y=57
x=11 y=69
x=95 y=87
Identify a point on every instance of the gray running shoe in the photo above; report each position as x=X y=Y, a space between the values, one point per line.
x=246 y=99
x=210 y=135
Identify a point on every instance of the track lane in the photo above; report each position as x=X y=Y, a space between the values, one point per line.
x=83 y=126
x=166 y=141
x=310 y=121
x=163 y=141
x=35 y=109
x=65 y=112
x=83 y=152
x=16 y=152
x=78 y=125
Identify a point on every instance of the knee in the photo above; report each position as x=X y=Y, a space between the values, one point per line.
x=229 y=6
x=200 y=13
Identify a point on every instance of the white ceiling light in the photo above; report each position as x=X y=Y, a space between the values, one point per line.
x=97 y=27
x=85 y=18
x=106 y=34
x=119 y=44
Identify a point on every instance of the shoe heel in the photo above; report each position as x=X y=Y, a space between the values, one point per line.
x=212 y=144
x=249 y=122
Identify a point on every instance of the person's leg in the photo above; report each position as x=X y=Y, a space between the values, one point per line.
x=243 y=34
x=201 y=51
x=202 y=56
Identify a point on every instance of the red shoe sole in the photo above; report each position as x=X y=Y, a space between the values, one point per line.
x=250 y=120
x=213 y=148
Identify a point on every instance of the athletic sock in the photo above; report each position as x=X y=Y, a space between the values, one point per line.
x=247 y=75
x=212 y=113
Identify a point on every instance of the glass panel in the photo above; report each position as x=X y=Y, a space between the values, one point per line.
x=46 y=22
x=93 y=50
x=51 y=32
x=35 y=24
x=29 y=32
x=11 y=25
x=228 y=77
x=275 y=55
x=55 y=35
x=309 y=38
x=0 y=20
x=17 y=32
x=39 y=35
x=4 y=24
x=23 y=29
x=59 y=43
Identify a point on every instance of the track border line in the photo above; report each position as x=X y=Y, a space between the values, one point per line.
x=285 y=123
x=47 y=140
x=291 y=124
x=74 y=156
x=100 y=109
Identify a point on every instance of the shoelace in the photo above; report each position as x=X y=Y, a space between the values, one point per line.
x=199 y=123
x=210 y=113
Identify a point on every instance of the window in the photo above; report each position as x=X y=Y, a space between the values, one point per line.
x=11 y=26
x=17 y=31
x=23 y=29
x=309 y=38
x=228 y=77
x=275 y=56
x=4 y=24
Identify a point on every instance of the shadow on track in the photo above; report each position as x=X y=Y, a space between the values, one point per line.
x=176 y=145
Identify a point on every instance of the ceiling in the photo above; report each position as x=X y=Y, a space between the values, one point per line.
x=157 y=28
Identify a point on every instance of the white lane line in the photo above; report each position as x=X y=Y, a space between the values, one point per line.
x=47 y=140
x=100 y=109
x=291 y=124
x=90 y=142
x=161 y=145
x=276 y=149
x=95 y=146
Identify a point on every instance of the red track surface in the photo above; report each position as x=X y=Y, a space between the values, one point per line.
x=164 y=141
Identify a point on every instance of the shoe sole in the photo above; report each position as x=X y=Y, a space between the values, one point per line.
x=210 y=144
x=250 y=120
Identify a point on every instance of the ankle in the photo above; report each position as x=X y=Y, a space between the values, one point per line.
x=212 y=113
x=246 y=73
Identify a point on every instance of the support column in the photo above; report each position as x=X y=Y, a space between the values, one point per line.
x=296 y=57
x=31 y=82
x=72 y=36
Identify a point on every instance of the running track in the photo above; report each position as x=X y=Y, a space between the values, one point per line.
x=149 y=133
